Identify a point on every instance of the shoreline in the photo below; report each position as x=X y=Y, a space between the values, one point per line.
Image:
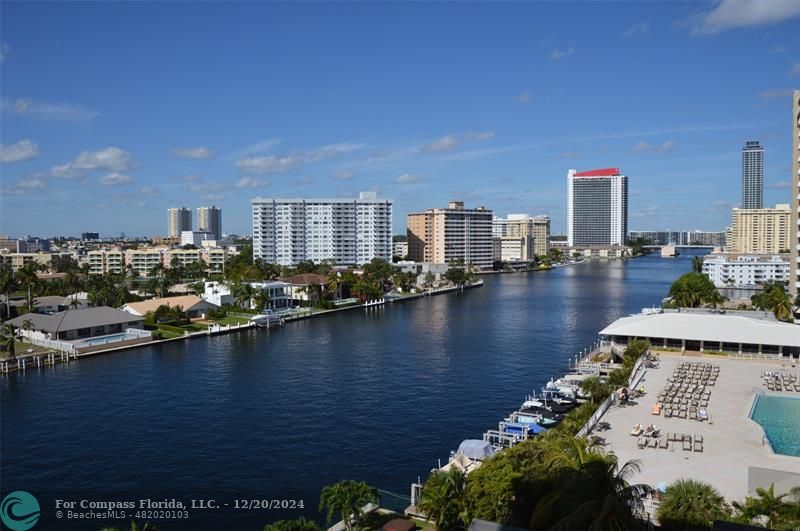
x=34 y=361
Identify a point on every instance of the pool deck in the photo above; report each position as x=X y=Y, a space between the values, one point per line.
x=731 y=441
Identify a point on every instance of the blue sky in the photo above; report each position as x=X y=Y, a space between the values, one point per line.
x=113 y=112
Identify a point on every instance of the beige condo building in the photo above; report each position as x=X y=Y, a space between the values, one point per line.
x=442 y=235
x=762 y=230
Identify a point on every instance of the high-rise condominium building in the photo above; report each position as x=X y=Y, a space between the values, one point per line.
x=597 y=207
x=752 y=175
x=763 y=230
x=178 y=220
x=442 y=235
x=794 y=283
x=522 y=226
x=346 y=231
x=209 y=219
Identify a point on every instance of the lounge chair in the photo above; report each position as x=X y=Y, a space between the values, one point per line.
x=698 y=446
x=656 y=409
x=663 y=443
x=652 y=442
x=687 y=443
x=641 y=442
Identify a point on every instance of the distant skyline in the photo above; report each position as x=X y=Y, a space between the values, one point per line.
x=113 y=112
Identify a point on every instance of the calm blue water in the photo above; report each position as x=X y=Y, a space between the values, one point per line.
x=780 y=418
x=376 y=395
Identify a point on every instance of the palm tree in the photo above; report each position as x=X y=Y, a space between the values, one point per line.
x=697 y=264
x=689 y=505
x=765 y=504
x=262 y=299
x=27 y=275
x=333 y=284
x=8 y=284
x=443 y=499
x=347 y=499
x=599 y=496
x=244 y=294
x=9 y=335
x=596 y=388
x=301 y=524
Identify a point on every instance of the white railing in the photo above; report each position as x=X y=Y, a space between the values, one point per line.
x=592 y=422
x=137 y=333
x=63 y=346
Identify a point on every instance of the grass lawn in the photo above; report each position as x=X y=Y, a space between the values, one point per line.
x=195 y=327
x=230 y=320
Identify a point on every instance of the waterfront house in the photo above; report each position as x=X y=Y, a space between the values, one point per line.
x=192 y=305
x=280 y=293
x=307 y=287
x=82 y=323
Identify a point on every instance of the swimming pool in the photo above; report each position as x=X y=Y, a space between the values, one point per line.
x=780 y=418
x=102 y=340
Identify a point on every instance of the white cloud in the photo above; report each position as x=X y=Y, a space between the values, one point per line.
x=640 y=28
x=558 y=55
x=191 y=178
x=249 y=182
x=270 y=164
x=732 y=14
x=446 y=143
x=258 y=147
x=408 y=178
x=214 y=197
x=775 y=94
x=646 y=147
x=480 y=135
x=524 y=97
x=114 y=178
x=22 y=150
x=569 y=155
x=48 y=111
x=149 y=190
x=781 y=185
x=201 y=152
x=112 y=159
x=293 y=161
x=344 y=175
x=32 y=183
x=204 y=188
x=4 y=49
x=795 y=70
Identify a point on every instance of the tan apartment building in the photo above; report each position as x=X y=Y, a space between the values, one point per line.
x=18 y=260
x=142 y=261
x=523 y=226
x=105 y=261
x=762 y=230
x=442 y=235
x=794 y=276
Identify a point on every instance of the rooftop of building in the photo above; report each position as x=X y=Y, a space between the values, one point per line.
x=601 y=172
x=184 y=301
x=750 y=328
x=75 y=319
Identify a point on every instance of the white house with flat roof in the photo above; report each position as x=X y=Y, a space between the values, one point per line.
x=706 y=330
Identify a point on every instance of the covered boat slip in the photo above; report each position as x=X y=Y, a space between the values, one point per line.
x=735 y=332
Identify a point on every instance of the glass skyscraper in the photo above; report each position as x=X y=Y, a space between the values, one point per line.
x=752 y=175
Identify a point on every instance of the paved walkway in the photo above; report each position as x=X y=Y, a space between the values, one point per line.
x=732 y=442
